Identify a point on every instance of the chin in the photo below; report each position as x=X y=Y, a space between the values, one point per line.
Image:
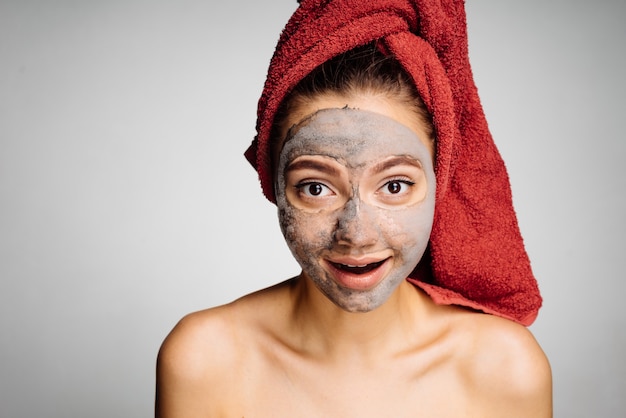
x=357 y=301
x=356 y=308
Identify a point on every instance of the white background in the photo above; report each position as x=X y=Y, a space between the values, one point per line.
x=125 y=201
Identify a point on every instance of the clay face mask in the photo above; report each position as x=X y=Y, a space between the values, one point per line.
x=355 y=192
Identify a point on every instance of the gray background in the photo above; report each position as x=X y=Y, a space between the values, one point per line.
x=125 y=201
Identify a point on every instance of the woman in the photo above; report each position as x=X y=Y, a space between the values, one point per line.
x=356 y=152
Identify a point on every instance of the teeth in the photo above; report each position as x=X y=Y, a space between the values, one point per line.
x=359 y=268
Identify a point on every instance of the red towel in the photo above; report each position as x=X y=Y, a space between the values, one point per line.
x=476 y=255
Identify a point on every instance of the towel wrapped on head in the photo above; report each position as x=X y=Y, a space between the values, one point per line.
x=476 y=255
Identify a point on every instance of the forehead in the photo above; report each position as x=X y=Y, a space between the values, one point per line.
x=364 y=100
x=353 y=135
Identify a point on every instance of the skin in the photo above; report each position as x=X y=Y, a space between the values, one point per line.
x=292 y=350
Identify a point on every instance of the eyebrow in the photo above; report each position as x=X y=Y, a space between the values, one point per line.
x=396 y=161
x=304 y=164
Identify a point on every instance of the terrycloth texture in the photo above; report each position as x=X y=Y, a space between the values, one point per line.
x=476 y=255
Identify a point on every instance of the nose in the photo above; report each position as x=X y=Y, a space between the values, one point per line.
x=356 y=225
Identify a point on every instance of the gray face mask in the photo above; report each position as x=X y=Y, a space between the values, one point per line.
x=355 y=192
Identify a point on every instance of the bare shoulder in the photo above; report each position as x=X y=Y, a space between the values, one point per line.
x=194 y=356
x=201 y=358
x=188 y=349
x=505 y=366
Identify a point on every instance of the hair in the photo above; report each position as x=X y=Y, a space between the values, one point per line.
x=361 y=70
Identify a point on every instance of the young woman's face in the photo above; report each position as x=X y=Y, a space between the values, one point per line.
x=355 y=190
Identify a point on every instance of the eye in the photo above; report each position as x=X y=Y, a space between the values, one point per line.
x=397 y=186
x=313 y=189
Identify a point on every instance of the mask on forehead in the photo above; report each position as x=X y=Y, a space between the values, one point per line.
x=378 y=194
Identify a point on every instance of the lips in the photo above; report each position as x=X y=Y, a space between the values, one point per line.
x=358 y=269
x=359 y=275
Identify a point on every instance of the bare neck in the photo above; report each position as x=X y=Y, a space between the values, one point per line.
x=329 y=331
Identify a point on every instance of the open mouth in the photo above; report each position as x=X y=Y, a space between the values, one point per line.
x=366 y=268
x=359 y=276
